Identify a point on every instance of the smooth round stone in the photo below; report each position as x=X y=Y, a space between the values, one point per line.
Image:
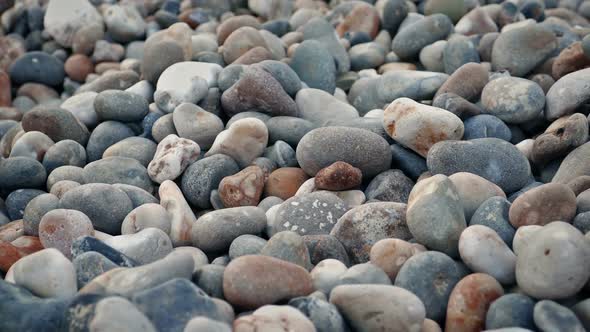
x=493 y=159
x=318 y=74
x=542 y=205
x=467 y=81
x=483 y=251
x=56 y=123
x=241 y=41
x=229 y=75
x=493 y=213
x=378 y=307
x=391 y=186
x=111 y=80
x=249 y=114
x=365 y=273
x=567 y=94
x=408 y=42
x=324 y=315
x=182 y=217
x=391 y=254
x=104 y=135
x=35 y=209
x=551 y=316
x=246 y=244
x=326 y=274
x=274 y=317
x=118 y=170
x=485 y=125
x=285 y=182
x=436 y=196
x=163 y=127
x=82 y=106
x=431 y=276
x=203 y=176
x=37 y=67
x=323 y=247
x=282 y=154
x=321 y=30
x=322 y=147
x=61 y=187
x=244 y=141
x=145 y=246
x=138 y=148
x=145 y=216
x=32 y=144
x=196 y=124
x=66 y=152
x=210 y=279
x=269 y=201
x=560 y=137
x=63 y=19
x=452 y=8
x=309 y=214
x=120 y=106
x=71 y=173
x=176 y=40
x=284 y=74
x=473 y=190
x=366 y=56
x=232 y=24
x=105 y=205
x=338 y=176
x=59 y=228
x=245 y=287
x=470 y=301
x=511 y=310
x=392 y=14
x=137 y=195
x=182 y=82
x=288 y=246
x=206 y=324
x=46 y=273
x=569 y=60
x=87 y=244
x=408 y=162
x=21 y=172
x=124 y=23
x=357 y=236
x=199 y=257
x=17 y=201
x=322 y=108
x=521 y=49
x=572 y=165
x=431 y=56
x=215 y=231
x=288 y=129
x=459 y=51
x=554 y=263
x=523 y=237
x=173 y=155
x=90 y=265
x=418 y=126
x=503 y=97
x=582 y=222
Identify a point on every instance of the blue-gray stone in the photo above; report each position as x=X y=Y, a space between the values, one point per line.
x=365 y=273
x=37 y=67
x=390 y=186
x=407 y=161
x=485 y=125
x=210 y=279
x=458 y=51
x=511 y=310
x=394 y=12
x=315 y=66
x=229 y=75
x=177 y=302
x=324 y=246
x=5 y=126
x=355 y=38
x=120 y=106
x=87 y=244
x=493 y=213
x=90 y=265
x=35 y=210
x=282 y=154
x=138 y=148
x=137 y=195
x=410 y=40
x=374 y=125
x=431 y=276
x=491 y=158
x=550 y=316
x=582 y=222
x=278 y=27
x=62 y=153
x=22 y=311
x=283 y=74
x=148 y=123
x=113 y=170
x=246 y=244
x=319 y=29
x=586 y=46
x=105 y=205
x=17 y=201
x=288 y=129
x=56 y=123
x=21 y=172
x=248 y=114
x=324 y=315
x=200 y=178
x=366 y=56
x=105 y=135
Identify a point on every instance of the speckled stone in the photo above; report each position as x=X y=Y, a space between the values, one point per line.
x=511 y=310
x=542 y=205
x=551 y=316
x=59 y=228
x=493 y=213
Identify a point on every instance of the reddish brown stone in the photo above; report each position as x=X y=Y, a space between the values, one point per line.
x=363 y=18
x=5 y=93
x=542 y=205
x=12 y=231
x=338 y=176
x=78 y=66
x=28 y=244
x=569 y=60
x=284 y=182
x=252 y=281
x=469 y=302
x=38 y=92
x=9 y=254
x=579 y=184
x=10 y=50
x=243 y=188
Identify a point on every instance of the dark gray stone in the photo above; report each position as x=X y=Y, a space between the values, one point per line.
x=315 y=66
x=410 y=40
x=288 y=129
x=105 y=135
x=90 y=265
x=511 y=310
x=37 y=67
x=62 y=153
x=120 y=106
x=493 y=213
x=407 y=161
x=35 y=210
x=88 y=244
x=391 y=186
x=21 y=172
x=210 y=279
x=113 y=170
x=56 y=123
x=485 y=125
x=17 y=201
x=324 y=315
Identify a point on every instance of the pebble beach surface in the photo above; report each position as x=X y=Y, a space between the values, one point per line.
x=294 y=165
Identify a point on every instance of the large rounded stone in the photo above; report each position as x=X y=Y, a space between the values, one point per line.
x=63 y=18
x=244 y=141
x=120 y=106
x=56 y=123
x=113 y=170
x=567 y=94
x=573 y=165
x=511 y=310
x=37 y=67
x=360 y=148
x=514 y=100
x=59 y=228
x=408 y=42
x=542 y=205
x=317 y=74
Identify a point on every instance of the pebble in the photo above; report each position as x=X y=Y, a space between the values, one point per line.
x=567 y=94
x=338 y=176
x=365 y=273
x=486 y=125
x=326 y=274
x=551 y=316
x=378 y=307
x=21 y=172
x=194 y=123
x=284 y=182
x=511 y=310
x=56 y=123
x=35 y=209
x=288 y=246
x=321 y=108
x=494 y=213
x=86 y=244
x=145 y=216
x=90 y=265
x=243 y=283
x=63 y=153
x=560 y=137
x=202 y=323
x=542 y=205
x=320 y=30
x=553 y=264
x=60 y=227
x=244 y=141
x=513 y=100
x=82 y=106
x=120 y=106
x=17 y=201
x=176 y=40
x=323 y=247
x=243 y=188
x=116 y=170
x=246 y=244
x=37 y=67
x=173 y=155
x=408 y=42
x=274 y=317
x=138 y=148
x=473 y=190
x=469 y=302
x=124 y=23
x=571 y=167
x=324 y=315
x=145 y=246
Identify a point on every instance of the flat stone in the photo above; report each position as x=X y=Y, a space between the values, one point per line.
x=113 y=170
x=550 y=315
x=33 y=272
x=542 y=205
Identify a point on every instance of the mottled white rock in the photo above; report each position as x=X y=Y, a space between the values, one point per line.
x=523 y=237
x=118 y=314
x=326 y=274
x=244 y=140
x=63 y=18
x=60 y=227
x=82 y=106
x=322 y=108
x=482 y=250
x=274 y=318
x=172 y=157
x=145 y=246
x=145 y=216
x=46 y=273
x=194 y=123
x=199 y=257
x=183 y=218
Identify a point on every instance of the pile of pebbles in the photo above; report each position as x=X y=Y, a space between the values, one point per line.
x=294 y=165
